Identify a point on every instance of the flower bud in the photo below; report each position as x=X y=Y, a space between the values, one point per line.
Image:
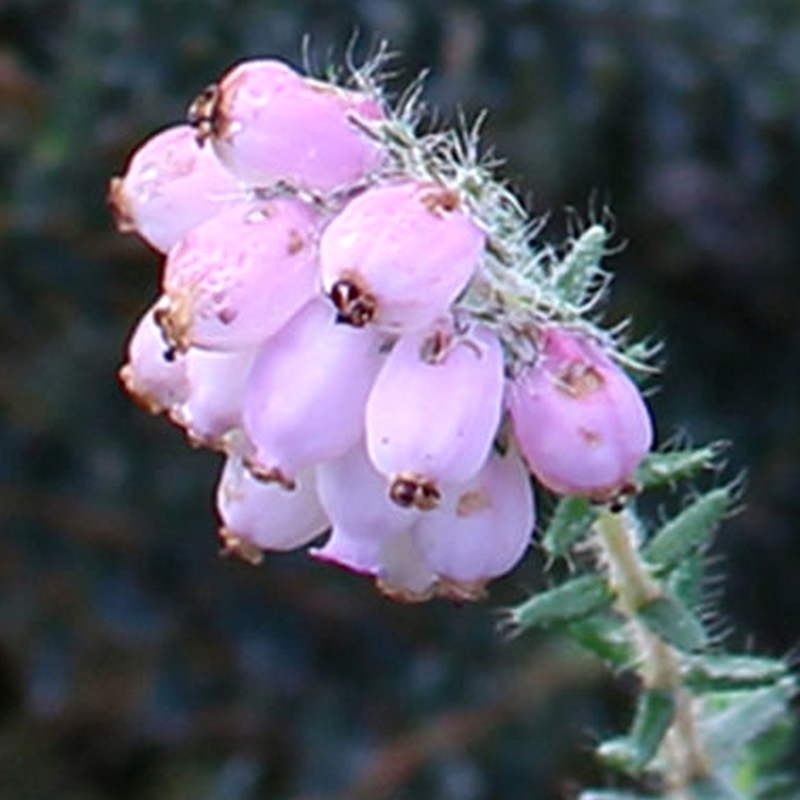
x=434 y=411
x=235 y=279
x=213 y=406
x=398 y=255
x=581 y=423
x=153 y=375
x=259 y=516
x=305 y=399
x=269 y=126
x=481 y=529
x=170 y=185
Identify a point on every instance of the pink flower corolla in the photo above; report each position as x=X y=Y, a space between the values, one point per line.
x=404 y=574
x=238 y=277
x=154 y=376
x=258 y=516
x=481 y=529
x=363 y=518
x=170 y=185
x=305 y=399
x=580 y=421
x=398 y=255
x=395 y=562
x=213 y=405
x=270 y=126
x=434 y=411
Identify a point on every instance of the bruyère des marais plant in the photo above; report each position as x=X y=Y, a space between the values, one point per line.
x=369 y=327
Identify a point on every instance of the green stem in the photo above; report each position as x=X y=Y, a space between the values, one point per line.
x=658 y=662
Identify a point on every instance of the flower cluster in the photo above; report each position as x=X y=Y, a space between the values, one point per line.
x=356 y=315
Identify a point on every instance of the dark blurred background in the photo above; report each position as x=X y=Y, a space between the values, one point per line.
x=135 y=664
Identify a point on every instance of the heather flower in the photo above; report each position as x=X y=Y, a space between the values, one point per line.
x=152 y=375
x=346 y=307
x=258 y=516
x=395 y=562
x=434 y=411
x=238 y=277
x=213 y=405
x=304 y=402
x=580 y=422
x=270 y=126
x=403 y=573
x=398 y=255
x=481 y=529
x=363 y=518
x=169 y=186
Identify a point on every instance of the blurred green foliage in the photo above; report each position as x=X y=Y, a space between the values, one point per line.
x=136 y=665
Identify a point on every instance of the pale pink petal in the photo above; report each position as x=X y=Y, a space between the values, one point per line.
x=482 y=528
x=305 y=399
x=237 y=278
x=398 y=255
x=271 y=126
x=258 y=516
x=581 y=423
x=153 y=375
x=434 y=411
x=170 y=185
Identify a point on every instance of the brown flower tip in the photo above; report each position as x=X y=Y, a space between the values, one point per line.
x=414 y=491
x=174 y=317
x=354 y=306
x=460 y=591
x=117 y=200
x=402 y=594
x=234 y=545
x=268 y=474
x=440 y=200
x=142 y=399
x=204 y=113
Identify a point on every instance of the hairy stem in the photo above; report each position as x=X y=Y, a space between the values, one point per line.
x=658 y=662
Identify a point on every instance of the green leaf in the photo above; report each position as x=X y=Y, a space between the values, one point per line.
x=605 y=635
x=722 y=673
x=659 y=469
x=571 y=521
x=579 y=271
x=689 y=531
x=654 y=715
x=711 y=788
x=668 y=619
x=569 y=601
x=686 y=581
x=735 y=719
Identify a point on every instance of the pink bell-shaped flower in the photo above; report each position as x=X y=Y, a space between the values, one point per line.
x=271 y=126
x=580 y=421
x=395 y=562
x=238 y=277
x=305 y=399
x=213 y=406
x=362 y=516
x=370 y=534
x=398 y=255
x=258 y=516
x=404 y=574
x=481 y=529
x=434 y=411
x=170 y=185
x=154 y=376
